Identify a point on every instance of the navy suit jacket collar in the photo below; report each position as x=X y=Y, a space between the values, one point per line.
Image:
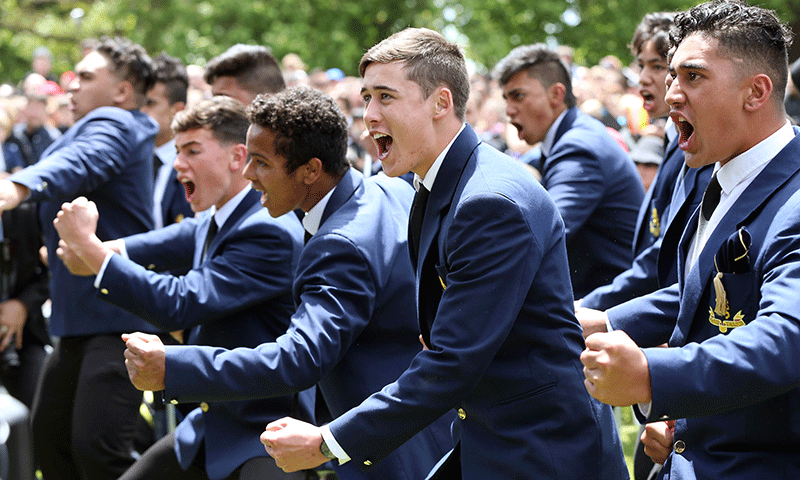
x=566 y=123
x=444 y=187
x=777 y=172
x=345 y=189
x=249 y=203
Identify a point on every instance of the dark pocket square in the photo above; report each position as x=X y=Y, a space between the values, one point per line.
x=734 y=254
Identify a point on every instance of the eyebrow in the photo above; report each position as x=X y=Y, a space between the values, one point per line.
x=192 y=142
x=689 y=66
x=379 y=87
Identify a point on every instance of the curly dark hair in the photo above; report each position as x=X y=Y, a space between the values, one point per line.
x=224 y=116
x=752 y=35
x=541 y=63
x=653 y=27
x=130 y=62
x=307 y=124
x=172 y=73
x=253 y=67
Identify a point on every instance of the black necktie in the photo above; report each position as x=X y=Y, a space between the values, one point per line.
x=156 y=166
x=212 y=231
x=307 y=237
x=711 y=197
x=417 y=215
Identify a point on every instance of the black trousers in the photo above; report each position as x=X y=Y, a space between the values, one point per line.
x=85 y=411
x=159 y=461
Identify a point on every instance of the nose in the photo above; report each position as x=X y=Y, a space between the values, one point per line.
x=370 y=113
x=674 y=96
x=179 y=164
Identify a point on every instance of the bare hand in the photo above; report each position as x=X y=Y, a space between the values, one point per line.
x=76 y=223
x=293 y=444
x=616 y=369
x=657 y=439
x=591 y=320
x=145 y=359
x=13 y=315
x=11 y=194
x=72 y=261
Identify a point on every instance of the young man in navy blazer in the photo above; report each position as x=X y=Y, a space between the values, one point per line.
x=591 y=179
x=237 y=292
x=107 y=156
x=493 y=297
x=354 y=329
x=166 y=98
x=730 y=380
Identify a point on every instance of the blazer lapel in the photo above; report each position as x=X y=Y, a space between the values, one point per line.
x=249 y=203
x=771 y=179
x=345 y=189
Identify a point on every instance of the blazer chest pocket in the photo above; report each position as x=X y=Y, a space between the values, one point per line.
x=732 y=302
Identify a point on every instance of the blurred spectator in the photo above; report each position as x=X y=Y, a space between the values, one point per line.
x=42 y=63
x=294 y=70
x=10 y=155
x=199 y=90
x=33 y=132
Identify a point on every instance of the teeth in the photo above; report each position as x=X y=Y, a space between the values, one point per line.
x=379 y=135
x=681 y=120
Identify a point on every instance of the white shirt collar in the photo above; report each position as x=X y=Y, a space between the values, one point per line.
x=313 y=218
x=752 y=161
x=670 y=130
x=166 y=152
x=221 y=216
x=550 y=138
x=430 y=177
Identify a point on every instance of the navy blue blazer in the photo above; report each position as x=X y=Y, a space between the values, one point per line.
x=107 y=157
x=670 y=199
x=598 y=191
x=732 y=386
x=239 y=295
x=354 y=330
x=496 y=312
x=174 y=207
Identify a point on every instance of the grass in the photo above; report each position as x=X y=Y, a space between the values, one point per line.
x=628 y=431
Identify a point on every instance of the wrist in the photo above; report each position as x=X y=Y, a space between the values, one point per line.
x=326 y=451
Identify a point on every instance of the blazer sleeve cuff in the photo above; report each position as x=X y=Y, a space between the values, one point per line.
x=331 y=442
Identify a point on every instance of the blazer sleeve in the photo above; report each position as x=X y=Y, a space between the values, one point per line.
x=640 y=279
x=337 y=298
x=98 y=153
x=487 y=284
x=649 y=320
x=251 y=268
x=164 y=249
x=760 y=357
x=574 y=179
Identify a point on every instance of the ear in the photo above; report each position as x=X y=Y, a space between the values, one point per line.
x=311 y=171
x=123 y=93
x=176 y=107
x=556 y=94
x=443 y=102
x=760 y=92
x=239 y=158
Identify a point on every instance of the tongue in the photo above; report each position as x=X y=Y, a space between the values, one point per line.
x=384 y=145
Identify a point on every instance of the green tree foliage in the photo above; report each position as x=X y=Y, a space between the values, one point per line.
x=325 y=33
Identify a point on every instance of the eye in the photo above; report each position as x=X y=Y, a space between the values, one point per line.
x=385 y=96
x=367 y=98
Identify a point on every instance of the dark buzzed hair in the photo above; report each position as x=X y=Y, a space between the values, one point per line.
x=540 y=63
x=253 y=67
x=430 y=61
x=129 y=62
x=172 y=73
x=224 y=116
x=654 y=28
x=307 y=124
x=752 y=36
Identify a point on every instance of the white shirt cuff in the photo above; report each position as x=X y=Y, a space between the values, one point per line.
x=644 y=408
x=99 y=278
x=333 y=445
